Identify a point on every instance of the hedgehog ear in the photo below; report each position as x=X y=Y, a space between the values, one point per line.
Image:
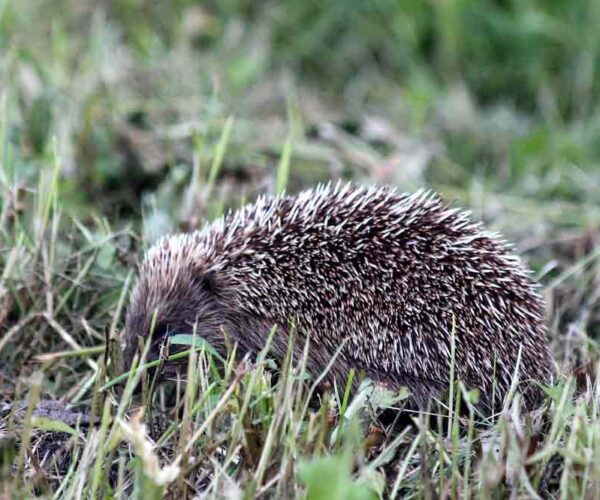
x=207 y=281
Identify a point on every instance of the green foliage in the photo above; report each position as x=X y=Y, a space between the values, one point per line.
x=329 y=477
x=116 y=126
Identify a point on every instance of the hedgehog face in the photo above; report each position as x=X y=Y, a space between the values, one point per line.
x=182 y=306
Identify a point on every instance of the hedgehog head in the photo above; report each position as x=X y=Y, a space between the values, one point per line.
x=175 y=293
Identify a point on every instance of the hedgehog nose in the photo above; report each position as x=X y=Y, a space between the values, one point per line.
x=153 y=353
x=130 y=353
x=150 y=371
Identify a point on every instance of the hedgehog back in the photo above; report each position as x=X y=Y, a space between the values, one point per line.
x=393 y=278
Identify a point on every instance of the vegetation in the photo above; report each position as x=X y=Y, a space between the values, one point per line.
x=125 y=119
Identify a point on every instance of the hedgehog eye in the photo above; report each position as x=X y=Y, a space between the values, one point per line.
x=160 y=330
x=205 y=281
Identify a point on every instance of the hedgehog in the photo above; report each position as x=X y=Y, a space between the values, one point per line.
x=399 y=287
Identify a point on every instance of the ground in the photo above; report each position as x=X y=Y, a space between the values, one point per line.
x=123 y=120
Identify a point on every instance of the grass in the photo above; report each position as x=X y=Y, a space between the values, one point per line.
x=123 y=121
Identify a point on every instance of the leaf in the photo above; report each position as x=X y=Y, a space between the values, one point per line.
x=383 y=397
x=8 y=452
x=376 y=396
x=374 y=480
x=283 y=170
x=220 y=152
x=329 y=478
x=50 y=425
x=195 y=341
x=105 y=256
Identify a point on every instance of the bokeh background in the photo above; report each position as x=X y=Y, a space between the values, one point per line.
x=470 y=97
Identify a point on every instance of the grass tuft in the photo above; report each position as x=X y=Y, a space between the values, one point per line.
x=116 y=126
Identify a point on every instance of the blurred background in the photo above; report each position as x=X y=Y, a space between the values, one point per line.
x=122 y=120
x=150 y=117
